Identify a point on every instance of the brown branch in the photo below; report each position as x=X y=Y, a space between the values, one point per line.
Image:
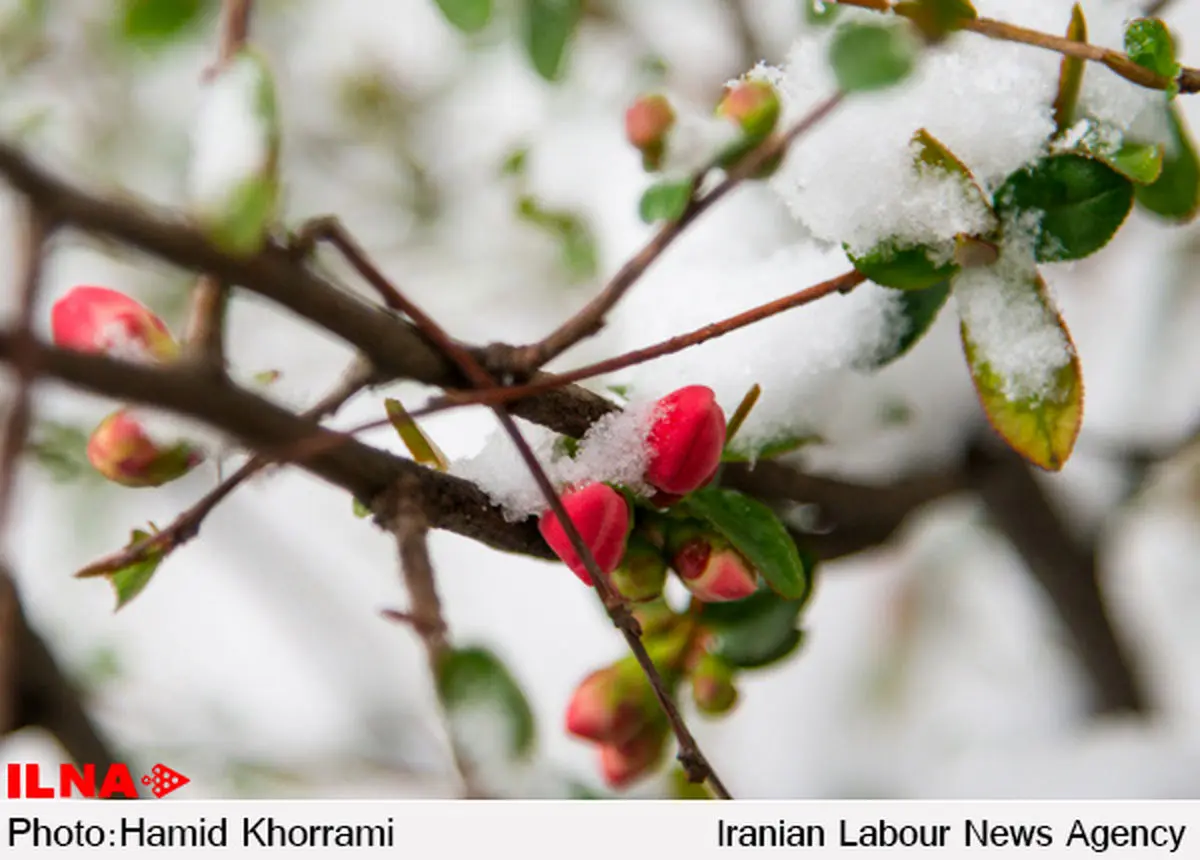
x=1188 y=79
x=449 y=503
x=394 y=346
x=1066 y=570
x=690 y=756
x=407 y=522
x=187 y=525
x=590 y=319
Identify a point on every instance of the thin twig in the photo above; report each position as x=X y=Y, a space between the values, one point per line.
x=187 y=525
x=408 y=524
x=690 y=756
x=841 y=284
x=1188 y=79
x=590 y=319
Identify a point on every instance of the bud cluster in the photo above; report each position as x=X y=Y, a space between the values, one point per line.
x=100 y=320
x=753 y=106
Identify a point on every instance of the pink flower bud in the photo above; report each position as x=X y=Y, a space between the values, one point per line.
x=686 y=440
x=96 y=319
x=623 y=764
x=713 y=570
x=753 y=105
x=647 y=122
x=601 y=515
x=712 y=685
x=609 y=706
x=121 y=451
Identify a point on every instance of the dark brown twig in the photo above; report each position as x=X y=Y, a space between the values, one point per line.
x=590 y=319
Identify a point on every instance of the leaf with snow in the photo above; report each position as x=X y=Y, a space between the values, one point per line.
x=920 y=309
x=483 y=702
x=154 y=22
x=820 y=12
x=1078 y=203
x=1175 y=195
x=1148 y=43
x=549 y=26
x=872 y=56
x=917 y=267
x=1139 y=162
x=234 y=186
x=1022 y=360
x=1070 y=74
x=470 y=16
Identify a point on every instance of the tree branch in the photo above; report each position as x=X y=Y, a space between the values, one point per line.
x=407 y=522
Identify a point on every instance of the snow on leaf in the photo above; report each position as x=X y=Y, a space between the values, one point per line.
x=1021 y=358
x=233 y=184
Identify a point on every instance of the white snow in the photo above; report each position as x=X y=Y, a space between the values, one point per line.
x=614 y=450
x=988 y=101
x=231 y=140
x=1013 y=331
x=800 y=358
x=116 y=340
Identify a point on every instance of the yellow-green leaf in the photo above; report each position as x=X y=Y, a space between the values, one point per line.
x=1070 y=74
x=1043 y=428
x=742 y=412
x=129 y=581
x=421 y=447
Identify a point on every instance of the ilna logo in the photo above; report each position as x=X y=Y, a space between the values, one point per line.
x=25 y=781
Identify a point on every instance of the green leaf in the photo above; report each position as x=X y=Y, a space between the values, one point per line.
x=871 y=56
x=1080 y=204
x=548 y=28
x=754 y=632
x=1070 y=74
x=470 y=16
x=1175 y=195
x=907 y=268
x=128 y=582
x=152 y=22
x=474 y=680
x=756 y=533
x=1041 y=429
x=936 y=19
x=742 y=412
x=820 y=12
x=665 y=201
x=360 y=510
x=242 y=230
x=920 y=309
x=422 y=448
x=61 y=449
x=683 y=789
x=1139 y=162
x=1148 y=43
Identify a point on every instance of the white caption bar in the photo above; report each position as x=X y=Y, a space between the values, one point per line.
x=612 y=830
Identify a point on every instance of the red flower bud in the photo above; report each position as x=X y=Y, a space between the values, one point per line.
x=609 y=706
x=121 y=451
x=712 y=685
x=713 y=570
x=753 y=105
x=686 y=440
x=622 y=764
x=647 y=122
x=642 y=572
x=96 y=319
x=601 y=515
